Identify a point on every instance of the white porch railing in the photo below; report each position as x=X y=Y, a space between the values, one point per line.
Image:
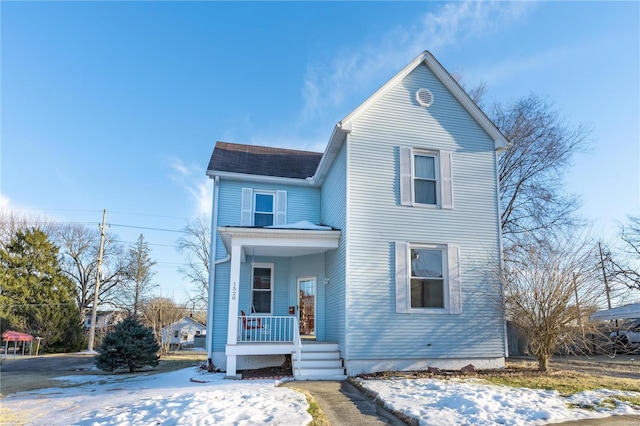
x=266 y=329
x=298 y=344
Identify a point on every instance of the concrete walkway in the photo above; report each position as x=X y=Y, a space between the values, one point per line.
x=345 y=405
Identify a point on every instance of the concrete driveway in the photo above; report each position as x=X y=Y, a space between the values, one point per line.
x=48 y=363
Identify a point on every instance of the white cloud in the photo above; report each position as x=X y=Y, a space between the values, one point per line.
x=179 y=166
x=197 y=186
x=328 y=83
x=5 y=203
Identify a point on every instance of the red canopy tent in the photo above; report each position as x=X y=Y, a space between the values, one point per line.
x=16 y=336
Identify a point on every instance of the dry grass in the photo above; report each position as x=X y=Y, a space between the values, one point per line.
x=319 y=418
x=565 y=382
x=572 y=376
x=11 y=382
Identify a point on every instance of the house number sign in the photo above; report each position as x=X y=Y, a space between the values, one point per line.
x=234 y=292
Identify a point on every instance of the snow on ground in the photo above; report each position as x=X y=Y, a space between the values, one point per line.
x=475 y=402
x=172 y=399
x=162 y=399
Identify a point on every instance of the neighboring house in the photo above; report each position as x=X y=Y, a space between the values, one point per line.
x=379 y=254
x=185 y=332
x=104 y=319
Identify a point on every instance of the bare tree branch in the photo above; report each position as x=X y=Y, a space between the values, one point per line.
x=195 y=246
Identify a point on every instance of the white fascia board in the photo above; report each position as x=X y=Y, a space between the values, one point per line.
x=500 y=142
x=330 y=152
x=242 y=177
x=385 y=88
x=278 y=237
x=452 y=85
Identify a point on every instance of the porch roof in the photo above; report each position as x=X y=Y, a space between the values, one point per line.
x=280 y=242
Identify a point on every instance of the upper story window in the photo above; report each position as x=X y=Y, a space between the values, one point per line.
x=263 y=208
x=425 y=178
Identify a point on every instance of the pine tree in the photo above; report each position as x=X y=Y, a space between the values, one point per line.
x=129 y=345
x=35 y=295
x=139 y=275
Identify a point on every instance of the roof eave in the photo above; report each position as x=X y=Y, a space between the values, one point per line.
x=244 y=177
x=330 y=152
x=500 y=142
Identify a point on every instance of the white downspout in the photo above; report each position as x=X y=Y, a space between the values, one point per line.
x=212 y=266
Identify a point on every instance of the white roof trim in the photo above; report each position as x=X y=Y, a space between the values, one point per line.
x=279 y=242
x=450 y=83
x=346 y=124
x=243 y=177
x=621 y=312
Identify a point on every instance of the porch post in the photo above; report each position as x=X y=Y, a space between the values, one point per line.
x=234 y=290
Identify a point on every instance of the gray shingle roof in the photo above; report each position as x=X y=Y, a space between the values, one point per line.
x=262 y=160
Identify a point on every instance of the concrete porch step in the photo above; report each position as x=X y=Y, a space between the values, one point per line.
x=318 y=363
x=316 y=355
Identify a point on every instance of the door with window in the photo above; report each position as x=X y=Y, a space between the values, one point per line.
x=307 y=290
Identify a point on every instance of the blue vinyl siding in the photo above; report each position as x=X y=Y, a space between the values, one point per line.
x=377 y=220
x=303 y=203
x=334 y=213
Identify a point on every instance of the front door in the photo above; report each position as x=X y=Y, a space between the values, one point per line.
x=307 y=306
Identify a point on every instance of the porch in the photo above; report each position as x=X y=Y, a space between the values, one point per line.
x=260 y=335
x=276 y=289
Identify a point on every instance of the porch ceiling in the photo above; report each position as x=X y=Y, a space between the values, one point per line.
x=279 y=242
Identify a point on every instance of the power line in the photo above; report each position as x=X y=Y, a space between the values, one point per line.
x=147 y=228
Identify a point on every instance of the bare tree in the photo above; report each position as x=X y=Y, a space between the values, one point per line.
x=195 y=246
x=550 y=289
x=79 y=246
x=12 y=221
x=623 y=267
x=162 y=313
x=531 y=171
x=138 y=284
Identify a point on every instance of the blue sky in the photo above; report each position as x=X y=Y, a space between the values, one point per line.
x=117 y=106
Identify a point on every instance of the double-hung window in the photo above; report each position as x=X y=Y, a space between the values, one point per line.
x=425 y=178
x=262 y=289
x=427 y=278
x=263 y=211
x=263 y=207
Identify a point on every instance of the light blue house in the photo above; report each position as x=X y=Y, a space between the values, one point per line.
x=378 y=254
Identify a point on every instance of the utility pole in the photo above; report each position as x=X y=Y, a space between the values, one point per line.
x=575 y=290
x=606 y=281
x=604 y=275
x=94 y=312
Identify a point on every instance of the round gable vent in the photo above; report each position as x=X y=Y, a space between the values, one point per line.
x=424 y=97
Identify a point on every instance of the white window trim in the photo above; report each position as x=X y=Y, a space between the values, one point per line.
x=445 y=277
x=436 y=159
x=257 y=192
x=451 y=279
x=272 y=289
x=247 y=214
x=444 y=186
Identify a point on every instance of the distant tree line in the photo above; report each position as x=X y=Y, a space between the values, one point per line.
x=48 y=280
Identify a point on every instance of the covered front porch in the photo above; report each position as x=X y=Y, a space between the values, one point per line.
x=276 y=289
